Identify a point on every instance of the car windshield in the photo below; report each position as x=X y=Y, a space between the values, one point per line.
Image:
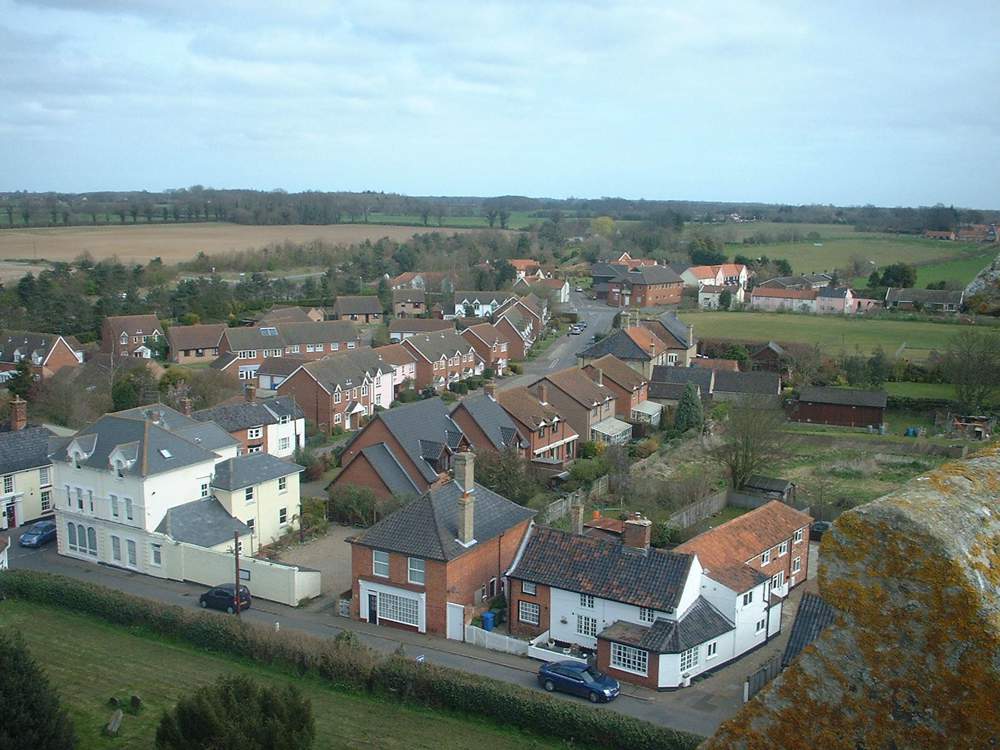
x=590 y=675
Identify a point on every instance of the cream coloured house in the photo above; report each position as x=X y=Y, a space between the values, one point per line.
x=25 y=470
x=261 y=491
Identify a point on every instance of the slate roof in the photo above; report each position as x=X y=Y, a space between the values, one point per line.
x=384 y=462
x=678 y=329
x=646 y=275
x=440 y=344
x=483 y=297
x=493 y=420
x=607 y=270
x=284 y=315
x=419 y=427
x=576 y=384
x=766 y=383
x=239 y=414
x=24 y=449
x=195 y=337
x=669 y=391
x=524 y=406
x=428 y=526
x=925 y=296
x=619 y=344
x=843 y=397
x=702 y=622
x=205 y=434
x=203 y=522
x=766 y=484
x=704 y=379
x=419 y=325
x=357 y=305
x=27 y=344
x=617 y=371
x=250 y=469
x=812 y=618
x=834 y=292
x=604 y=568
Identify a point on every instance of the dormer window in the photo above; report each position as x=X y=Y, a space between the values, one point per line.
x=120 y=469
x=124 y=338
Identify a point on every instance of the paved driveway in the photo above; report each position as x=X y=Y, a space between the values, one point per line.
x=330 y=555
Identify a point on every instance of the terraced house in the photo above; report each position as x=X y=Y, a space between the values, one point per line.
x=489 y=345
x=443 y=358
x=480 y=304
x=243 y=350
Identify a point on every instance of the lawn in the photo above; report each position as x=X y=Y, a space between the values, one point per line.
x=912 y=339
x=90 y=661
x=726 y=514
x=921 y=390
x=957 y=272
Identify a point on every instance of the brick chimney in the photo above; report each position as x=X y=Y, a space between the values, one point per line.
x=186 y=406
x=576 y=517
x=250 y=392
x=18 y=414
x=490 y=389
x=600 y=376
x=465 y=468
x=543 y=392
x=690 y=334
x=637 y=532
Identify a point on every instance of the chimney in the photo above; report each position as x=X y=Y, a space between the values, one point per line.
x=690 y=334
x=637 y=532
x=465 y=463
x=543 y=392
x=250 y=392
x=600 y=376
x=576 y=517
x=186 y=406
x=18 y=414
x=155 y=415
x=490 y=389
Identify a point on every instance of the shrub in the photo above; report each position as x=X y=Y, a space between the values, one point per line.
x=32 y=716
x=516 y=368
x=588 y=469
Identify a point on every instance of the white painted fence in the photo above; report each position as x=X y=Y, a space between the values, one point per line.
x=495 y=641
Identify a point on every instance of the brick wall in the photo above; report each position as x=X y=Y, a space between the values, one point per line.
x=315 y=403
x=359 y=473
x=652 y=671
x=376 y=432
x=542 y=598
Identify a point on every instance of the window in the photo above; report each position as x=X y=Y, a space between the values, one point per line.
x=796 y=564
x=295 y=348
x=586 y=625
x=69 y=497
x=779 y=580
x=364 y=390
x=71 y=535
x=91 y=540
x=528 y=588
x=90 y=500
x=646 y=614
x=782 y=549
x=130 y=545
x=44 y=477
x=256 y=449
x=310 y=348
x=765 y=558
x=116 y=549
x=248 y=495
x=46 y=501
x=205 y=485
x=380 y=563
x=797 y=536
x=689 y=658
x=415 y=570
x=527 y=612
x=79 y=498
x=254 y=432
x=711 y=650
x=629 y=658
x=338 y=418
x=284 y=443
x=747 y=598
x=351 y=344
x=114 y=506
x=761 y=624
x=128 y=508
x=156 y=555
x=282 y=484
x=335 y=346
x=401 y=609
x=587 y=600
x=282 y=516
x=336 y=397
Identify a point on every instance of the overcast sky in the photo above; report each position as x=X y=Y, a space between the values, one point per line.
x=893 y=103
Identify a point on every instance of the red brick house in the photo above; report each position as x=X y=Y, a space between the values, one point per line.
x=588 y=406
x=46 y=353
x=487 y=425
x=847 y=407
x=198 y=343
x=631 y=389
x=243 y=350
x=364 y=309
x=433 y=565
x=443 y=358
x=518 y=331
x=489 y=345
x=130 y=335
x=409 y=303
x=550 y=438
x=645 y=286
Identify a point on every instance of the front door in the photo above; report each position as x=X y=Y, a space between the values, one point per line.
x=373 y=609
x=11 y=516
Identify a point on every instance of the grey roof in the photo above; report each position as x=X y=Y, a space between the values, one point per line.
x=811 y=619
x=677 y=328
x=766 y=484
x=493 y=420
x=279 y=366
x=223 y=361
x=483 y=297
x=428 y=526
x=285 y=315
x=408 y=295
x=205 y=434
x=786 y=282
x=347 y=369
x=834 y=292
x=322 y=332
x=419 y=427
x=651 y=275
x=607 y=270
x=419 y=325
x=618 y=344
x=439 y=344
x=698 y=375
x=702 y=622
x=26 y=344
x=768 y=383
x=24 y=449
x=604 y=568
x=843 y=397
x=384 y=462
x=926 y=296
x=771 y=346
x=250 y=339
x=669 y=391
x=358 y=305
x=250 y=469
x=203 y=522
x=241 y=414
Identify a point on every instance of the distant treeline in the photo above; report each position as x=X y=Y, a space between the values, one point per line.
x=197 y=204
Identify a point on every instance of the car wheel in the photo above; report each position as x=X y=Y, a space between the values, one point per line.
x=230 y=609
x=203 y=604
x=594 y=697
x=549 y=687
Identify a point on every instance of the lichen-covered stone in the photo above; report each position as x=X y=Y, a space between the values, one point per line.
x=913 y=659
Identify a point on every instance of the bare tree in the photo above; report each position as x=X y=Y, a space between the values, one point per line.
x=753 y=439
x=971 y=364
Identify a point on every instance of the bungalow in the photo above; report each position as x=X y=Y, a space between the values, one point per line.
x=26 y=492
x=631 y=390
x=636 y=346
x=277 y=315
x=403 y=328
x=931 y=300
x=791 y=300
x=762 y=387
x=195 y=343
x=443 y=358
x=489 y=345
x=409 y=303
x=366 y=309
x=487 y=425
x=847 y=407
x=472 y=304
x=130 y=335
x=588 y=406
x=552 y=441
x=45 y=353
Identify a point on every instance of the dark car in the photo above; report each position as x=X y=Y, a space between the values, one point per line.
x=40 y=533
x=818 y=529
x=221 y=597
x=578 y=679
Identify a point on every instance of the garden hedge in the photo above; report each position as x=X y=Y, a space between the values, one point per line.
x=345 y=665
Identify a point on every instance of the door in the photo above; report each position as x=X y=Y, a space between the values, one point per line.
x=373 y=609
x=455 y=630
x=11 y=516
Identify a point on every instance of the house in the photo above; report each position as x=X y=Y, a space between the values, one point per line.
x=195 y=343
x=676 y=335
x=130 y=335
x=244 y=350
x=443 y=358
x=552 y=441
x=400 y=328
x=402 y=451
x=527 y=318
x=771 y=488
x=931 y=300
x=429 y=281
x=725 y=274
x=261 y=491
x=491 y=347
x=601 y=275
x=976 y=233
x=26 y=492
x=636 y=346
x=764 y=388
x=279 y=315
x=812 y=617
x=275 y=426
x=645 y=286
x=437 y=562
x=537 y=307
x=805 y=281
x=667 y=384
x=588 y=406
x=788 y=300
x=710 y=296
x=707 y=363
x=631 y=389
x=404 y=366
x=771 y=357
x=527 y=269
x=45 y=353
x=847 y=407
x=472 y=304
x=518 y=332
x=342 y=390
x=653 y=617
x=557 y=288
x=669 y=395
x=835 y=300
x=487 y=426
x=366 y=309
x=409 y=303
x=934 y=234
x=272 y=371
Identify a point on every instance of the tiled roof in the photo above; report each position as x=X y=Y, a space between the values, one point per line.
x=785 y=282
x=676 y=329
x=492 y=419
x=834 y=292
x=408 y=295
x=771 y=346
x=395 y=354
x=613 y=525
x=646 y=275
x=486 y=332
x=239 y=414
x=419 y=325
x=224 y=360
x=764 y=383
x=604 y=568
x=483 y=297
x=251 y=469
x=357 y=305
x=323 y=332
x=617 y=371
x=722 y=365
x=205 y=434
x=803 y=294
x=843 y=397
x=203 y=522
x=26 y=344
x=525 y=407
x=347 y=369
x=385 y=464
x=725 y=550
x=195 y=337
x=669 y=391
x=420 y=426
x=703 y=272
x=704 y=379
x=440 y=344
x=577 y=385
x=618 y=344
x=428 y=526
x=24 y=449
x=134 y=325
x=926 y=296
x=702 y=622
x=284 y=315
x=812 y=618
x=279 y=366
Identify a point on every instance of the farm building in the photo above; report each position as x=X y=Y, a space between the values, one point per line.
x=846 y=407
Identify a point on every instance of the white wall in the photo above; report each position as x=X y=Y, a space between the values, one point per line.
x=293 y=429
x=369 y=587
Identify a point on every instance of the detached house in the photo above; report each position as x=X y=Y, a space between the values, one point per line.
x=193 y=343
x=478 y=304
x=367 y=309
x=491 y=347
x=283 y=315
x=588 y=406
x=636 y=346
x=130 y=335
x=551 y=440
x=409 y=303
x=442 y=359
x=676 y=335
x=25 y=469
x=527 y=269
x=437 y=562
x=275 y=426
x=45 y=353
x=631 y=390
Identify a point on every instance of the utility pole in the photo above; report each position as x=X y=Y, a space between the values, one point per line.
x=236 y=557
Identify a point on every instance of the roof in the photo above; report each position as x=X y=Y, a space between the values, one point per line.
x=239 y=414
x=724 y=365
x=725 y=550
x=649 y=408
x=280 y=366
x=428 y=526
x=524 y=264
x=811 y=619
x=385 y=464
x=645 y=275
x=925 y=296
x=205 y=434
x=486 y=332
x=346 y=369
x=423 y=429
x=408 y=295
x=483 y=297
x=224 y=360
x=27 y=344
x=134 y=324
x=669 y=391
x=577 y=385
x=358 y=305
x=553 y=283
x=24 y=449
x=617 y=371
x=195 y=337
x=250 y=469
x=419 y=325
x=834 y=292
x=702 y=622
x=765 y=383
x=607 y=270
x=770 y=346
x=439 y=344
x=766 y=484
x=611 y=426
x=613 y=525
x=804 y=294
x=785 y=282
x=672 y=327
x=203 y=522
x=318 y=332
x=843 y=397
x=604 y=568
x=285 y=315
x=524 y=406
x=704 y=379
x=618 y=344
x=395 y=354
x=492 y=420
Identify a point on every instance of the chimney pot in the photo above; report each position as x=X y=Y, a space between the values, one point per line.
x=465 y=463
x=18 y=414
x=576 y=516
x=600 y=376
x=186 y=406
x=543 y=392
x=637 y=532
x=250 y=392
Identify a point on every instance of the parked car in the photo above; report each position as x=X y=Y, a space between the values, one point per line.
x=818 y=529
x=39 y=534
x=575 y=330
x=582 y=324
x=579 y=289
x=578 y=679
x=221 y=597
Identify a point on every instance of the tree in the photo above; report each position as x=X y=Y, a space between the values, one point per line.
x=504 y=215
x=23 y=382
x=491 y=216
x=899 y=275
x=753 y=439
x=32 y=716
x=739 y=353
x=689 y=414
x=878 y=367
x=237 y=712
x=603 y=226
x=725 y=299
x=507 y=474
x=972 y=364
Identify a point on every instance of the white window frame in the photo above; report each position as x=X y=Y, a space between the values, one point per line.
x=401 y=609
x=586 y=625
x=690 y=658
x=116 y=548
x=45 y=476
x=248 y=495
x=528 y=612
x=796 y=564
x=380 y=560
x=282 y=485
x=282 y=516
x=284 y=443
x=797 y=536
x=747 y=598
x=629 y=659
x=205 y=486
x=529 y=588
x=338 y=418
x=46 y=500
x=8 y=484
x=131 y=553
x=416 y=570
x=254 y=432
x=711 y=650
x=760 y=625
x=156 y=555
x=765 y=558
x=337 y=396
x=647 y=615
x=778 y=580
x=129 y=509
x=783 y=549
x=587 y=601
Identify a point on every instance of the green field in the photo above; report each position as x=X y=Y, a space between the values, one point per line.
x=913 y=339
x=89 y=662
x=518 y=220
x=921 y=390
x=959 y=271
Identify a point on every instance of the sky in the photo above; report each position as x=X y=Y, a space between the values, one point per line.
x=891 y=103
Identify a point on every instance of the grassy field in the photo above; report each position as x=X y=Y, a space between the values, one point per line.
x=517 y=220
x=959 y=271
x=921 y=390
x=90 y=661
x=915 y=339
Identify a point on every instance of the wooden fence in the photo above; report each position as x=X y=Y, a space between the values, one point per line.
x=757 y=679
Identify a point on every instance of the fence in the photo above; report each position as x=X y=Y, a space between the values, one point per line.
x=699 y=510
x=559 y=508
x=756 y=681
x=495 y=641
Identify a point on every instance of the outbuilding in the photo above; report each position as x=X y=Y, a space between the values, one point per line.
x=847 y=407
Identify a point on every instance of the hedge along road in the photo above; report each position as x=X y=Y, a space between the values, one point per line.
x=685 y=710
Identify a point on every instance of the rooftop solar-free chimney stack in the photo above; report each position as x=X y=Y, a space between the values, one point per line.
x=543 y=392
x=18 y=414
x=600 y=376
x=637 y=532
x=187 y=406
x=490 y=389
x=576 y=517
x=465 y=464
x=250 y=392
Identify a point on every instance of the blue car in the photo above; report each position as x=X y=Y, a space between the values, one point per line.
x=578 y=679
x=40 y=533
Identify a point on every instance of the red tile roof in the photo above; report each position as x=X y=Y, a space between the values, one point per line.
x=646 y=340
x=729 y=365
